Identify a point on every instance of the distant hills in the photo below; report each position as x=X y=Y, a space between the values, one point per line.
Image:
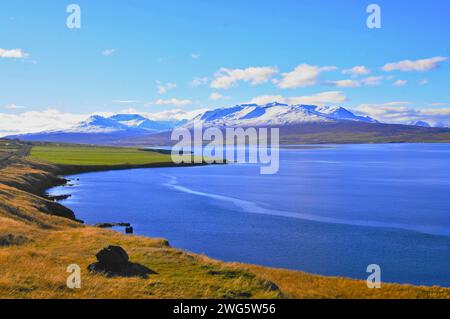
x=299 y=124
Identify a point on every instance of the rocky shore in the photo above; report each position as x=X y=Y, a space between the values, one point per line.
x=36 y=178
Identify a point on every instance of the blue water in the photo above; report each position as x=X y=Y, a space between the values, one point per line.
x=330 y=211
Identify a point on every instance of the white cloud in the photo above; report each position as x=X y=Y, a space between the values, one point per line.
x=423 y=82
x=195 y=56
x=199 y=81
x=324 y=98
x=226 y=78
x=109 y=52
x=37 y=121
x=12 y=54
x=372 y=80
x=217 y=96
x=368 y=81
x=164 y=88
x=356 y=71
x=400 y=83
x=302 y=76
x=344 y=83
x=176 y=114
x=403 y=113
x=167 y=115
x=173 y=101
x=15 y=107
x=437 y=111
x=422 y=65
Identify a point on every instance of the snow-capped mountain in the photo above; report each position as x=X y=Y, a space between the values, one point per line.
x=122 y=123
x=97 y=124
x=420 y=123
x=332 y=124
x=140 y=122
x=276 y=114
x=104 y=130
x=240 y=115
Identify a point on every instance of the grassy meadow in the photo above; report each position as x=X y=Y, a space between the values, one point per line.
x=93 y=155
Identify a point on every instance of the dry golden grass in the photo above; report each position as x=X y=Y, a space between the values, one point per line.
x=37 y=268
x=300 y=285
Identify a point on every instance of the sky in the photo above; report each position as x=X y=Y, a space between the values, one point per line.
x=173 y=59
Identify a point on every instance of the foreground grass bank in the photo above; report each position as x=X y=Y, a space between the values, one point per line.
x=36 y=247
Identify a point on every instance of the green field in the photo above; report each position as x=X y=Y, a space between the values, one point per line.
x=93 y=156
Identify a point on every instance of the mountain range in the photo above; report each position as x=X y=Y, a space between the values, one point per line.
x=276 y=114
x=121 y=123
x=132 y=129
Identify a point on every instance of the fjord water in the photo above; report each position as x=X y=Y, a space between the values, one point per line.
x=330 y=211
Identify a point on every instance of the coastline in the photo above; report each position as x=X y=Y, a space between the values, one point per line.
x=66 y=170
x=85 y=169
x=42 y=176
x=80 y=169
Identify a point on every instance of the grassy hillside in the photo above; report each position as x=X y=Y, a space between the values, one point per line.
x=361 y=133
x=36 y=247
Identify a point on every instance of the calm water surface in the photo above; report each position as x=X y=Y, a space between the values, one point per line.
x=330 y=211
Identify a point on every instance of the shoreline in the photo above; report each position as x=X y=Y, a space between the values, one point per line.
x=281 y=268
x=67 y=170
x=35 y=177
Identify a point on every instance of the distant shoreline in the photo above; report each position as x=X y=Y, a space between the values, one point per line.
x=80 y=169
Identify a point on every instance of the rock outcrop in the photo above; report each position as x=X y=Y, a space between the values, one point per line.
x=113 y=261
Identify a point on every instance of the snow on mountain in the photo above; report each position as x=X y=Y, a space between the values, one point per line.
x=276 y=114
x=100 y=129
x=420 y=123
x=129 y=120
x=122 y=123
x=340 y=113
x=98 y=124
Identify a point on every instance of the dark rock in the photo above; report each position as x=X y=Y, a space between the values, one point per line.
x=104 y=225
x=114 y=257
x=57 y=198
x=113 y=261
x=57 y=209
x=111 y=225
x=12 y=240
x=129 y=230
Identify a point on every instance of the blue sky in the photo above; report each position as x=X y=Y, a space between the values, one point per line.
x=145 y=55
